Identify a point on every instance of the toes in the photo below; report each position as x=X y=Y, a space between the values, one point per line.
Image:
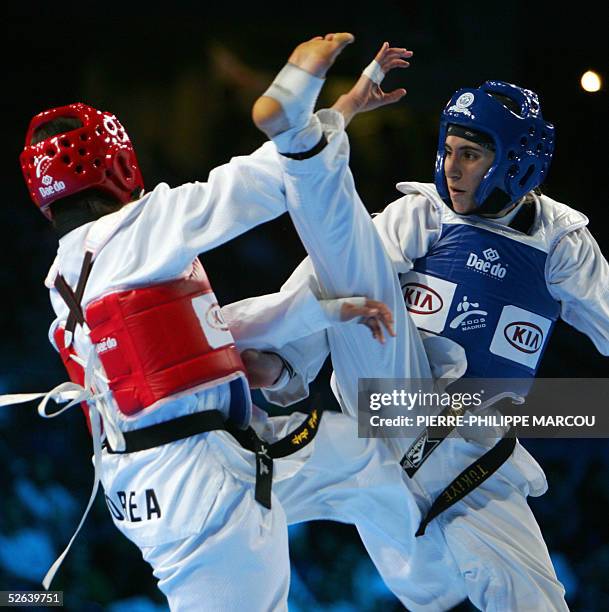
x=343 y=38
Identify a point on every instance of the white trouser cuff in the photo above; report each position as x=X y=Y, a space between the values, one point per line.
x=299 y=139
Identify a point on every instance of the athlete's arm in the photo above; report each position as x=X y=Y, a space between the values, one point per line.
x=276 y=319
x=578 y=277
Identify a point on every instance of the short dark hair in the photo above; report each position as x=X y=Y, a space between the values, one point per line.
x=54 y=127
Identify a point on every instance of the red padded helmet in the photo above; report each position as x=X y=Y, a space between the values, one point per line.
x=96 y=155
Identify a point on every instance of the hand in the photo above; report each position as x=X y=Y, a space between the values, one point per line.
x=373 y=314
x=262 y=368
x=366 y=95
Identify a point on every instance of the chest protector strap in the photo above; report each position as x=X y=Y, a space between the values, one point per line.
x=63 y=335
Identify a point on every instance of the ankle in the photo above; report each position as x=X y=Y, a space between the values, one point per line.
x=289 y=102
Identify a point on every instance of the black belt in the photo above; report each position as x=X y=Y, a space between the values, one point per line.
x=470 y=478
x=213 y=420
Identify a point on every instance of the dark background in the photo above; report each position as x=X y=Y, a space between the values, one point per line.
x=183 y=83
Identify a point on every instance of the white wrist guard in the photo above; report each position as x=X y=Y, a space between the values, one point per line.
x=374 y=72
x=297 y=91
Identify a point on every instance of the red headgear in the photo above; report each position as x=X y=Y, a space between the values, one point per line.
x=97 y=155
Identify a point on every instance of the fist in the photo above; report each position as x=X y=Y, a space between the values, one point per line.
x=262 y=368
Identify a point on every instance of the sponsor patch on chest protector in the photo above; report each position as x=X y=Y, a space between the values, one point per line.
x=212 y=322
x=520 y=336
x=427 y=300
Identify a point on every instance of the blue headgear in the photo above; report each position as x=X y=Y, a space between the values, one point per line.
x=523 y=141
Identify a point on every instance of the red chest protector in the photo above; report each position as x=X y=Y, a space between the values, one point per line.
x=158 y=342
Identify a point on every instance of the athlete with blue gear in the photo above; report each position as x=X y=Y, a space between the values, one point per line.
x=483 y=234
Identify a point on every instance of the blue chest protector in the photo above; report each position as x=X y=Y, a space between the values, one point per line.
x=487 y=292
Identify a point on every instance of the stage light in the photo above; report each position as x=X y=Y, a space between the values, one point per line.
x=591 y=81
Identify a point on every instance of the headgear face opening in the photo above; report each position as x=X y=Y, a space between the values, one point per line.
x=96 y=155
x=524 y=142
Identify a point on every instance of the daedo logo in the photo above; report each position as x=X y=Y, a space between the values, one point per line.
x=487 y=265
x=105 y=345
x=490 y=254
x=421 y=299
x=51 y=186
x=524 y=336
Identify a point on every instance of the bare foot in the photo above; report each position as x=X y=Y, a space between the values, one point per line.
x=318 y=54
x=315 y=56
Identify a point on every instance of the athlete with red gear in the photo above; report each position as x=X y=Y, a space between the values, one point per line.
x=123 y=264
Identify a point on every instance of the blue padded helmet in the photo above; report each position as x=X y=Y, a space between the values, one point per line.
x=524 y=142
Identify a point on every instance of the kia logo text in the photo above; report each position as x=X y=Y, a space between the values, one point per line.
x=421 y=299
x=525 y=337
x=215 y=318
